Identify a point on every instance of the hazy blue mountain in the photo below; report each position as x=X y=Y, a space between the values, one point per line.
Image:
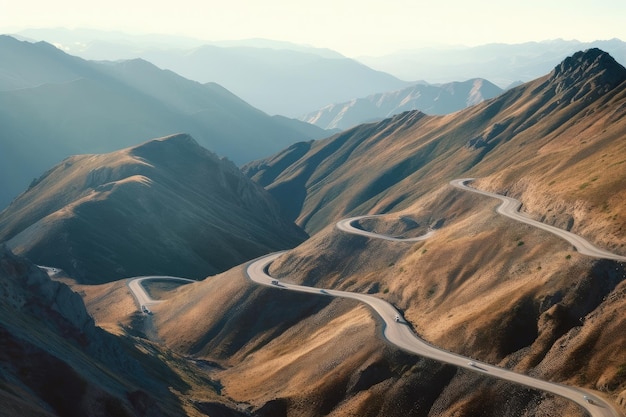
x=278 y=81
x=503 y=64
x=276 y=77
x=105 y=45
x=91 y=107
x=32 y=64
x=114 y=45
x=430 y=99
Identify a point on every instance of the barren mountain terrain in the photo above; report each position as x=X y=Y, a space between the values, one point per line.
x=167 y=206
x=555 y=143
x=482 y=285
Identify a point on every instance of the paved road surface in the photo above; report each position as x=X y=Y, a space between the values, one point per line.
x=399 y=333
x=510 y=208
x=396 y=329
x=140 y=293
x=347 y=225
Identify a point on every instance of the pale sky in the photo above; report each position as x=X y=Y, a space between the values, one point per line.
x=352 y=27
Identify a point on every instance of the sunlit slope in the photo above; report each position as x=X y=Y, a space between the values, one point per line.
x=430 y=99
x=167 y=206
x=556 y=143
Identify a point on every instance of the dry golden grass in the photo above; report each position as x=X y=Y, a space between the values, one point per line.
x=111 y=305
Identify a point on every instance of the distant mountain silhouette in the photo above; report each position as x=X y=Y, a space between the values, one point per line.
x=167 y=207
x=431 y=99
x=503 y=64
x=55 y=105
x=280 y=78
x=285 y=82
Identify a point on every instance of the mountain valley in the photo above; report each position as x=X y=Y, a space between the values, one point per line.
x=483 y=286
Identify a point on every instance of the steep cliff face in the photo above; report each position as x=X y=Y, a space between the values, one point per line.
x=591 y=71
x=55 y=361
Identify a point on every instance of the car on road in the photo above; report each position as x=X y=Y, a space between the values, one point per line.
x=397 y=317
x=274 y=282
x=145 y=309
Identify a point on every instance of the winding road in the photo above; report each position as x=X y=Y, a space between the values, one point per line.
x=396 y=330
x=510 y=208
x=348 y=226
x=141 y=295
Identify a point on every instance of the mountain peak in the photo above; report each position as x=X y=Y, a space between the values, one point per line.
x=592 y=65
x=162 y=148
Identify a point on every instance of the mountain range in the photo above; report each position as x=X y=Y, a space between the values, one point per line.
x=60 y=105
x=502 y=64
x=278 y=81
x=430 y=99
x=165 y=207
x=505 y=137
x=482 y=285
x=276 y=77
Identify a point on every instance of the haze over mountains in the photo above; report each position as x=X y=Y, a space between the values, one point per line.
x=430 y=99
x=221 y=62
x=502 y=64
x=53 y=105
x=482 y=285
x=278 y=78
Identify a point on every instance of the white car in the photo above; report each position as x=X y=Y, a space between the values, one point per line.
x=397 y=317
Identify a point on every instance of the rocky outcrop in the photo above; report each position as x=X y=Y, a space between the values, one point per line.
x=55 y=360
